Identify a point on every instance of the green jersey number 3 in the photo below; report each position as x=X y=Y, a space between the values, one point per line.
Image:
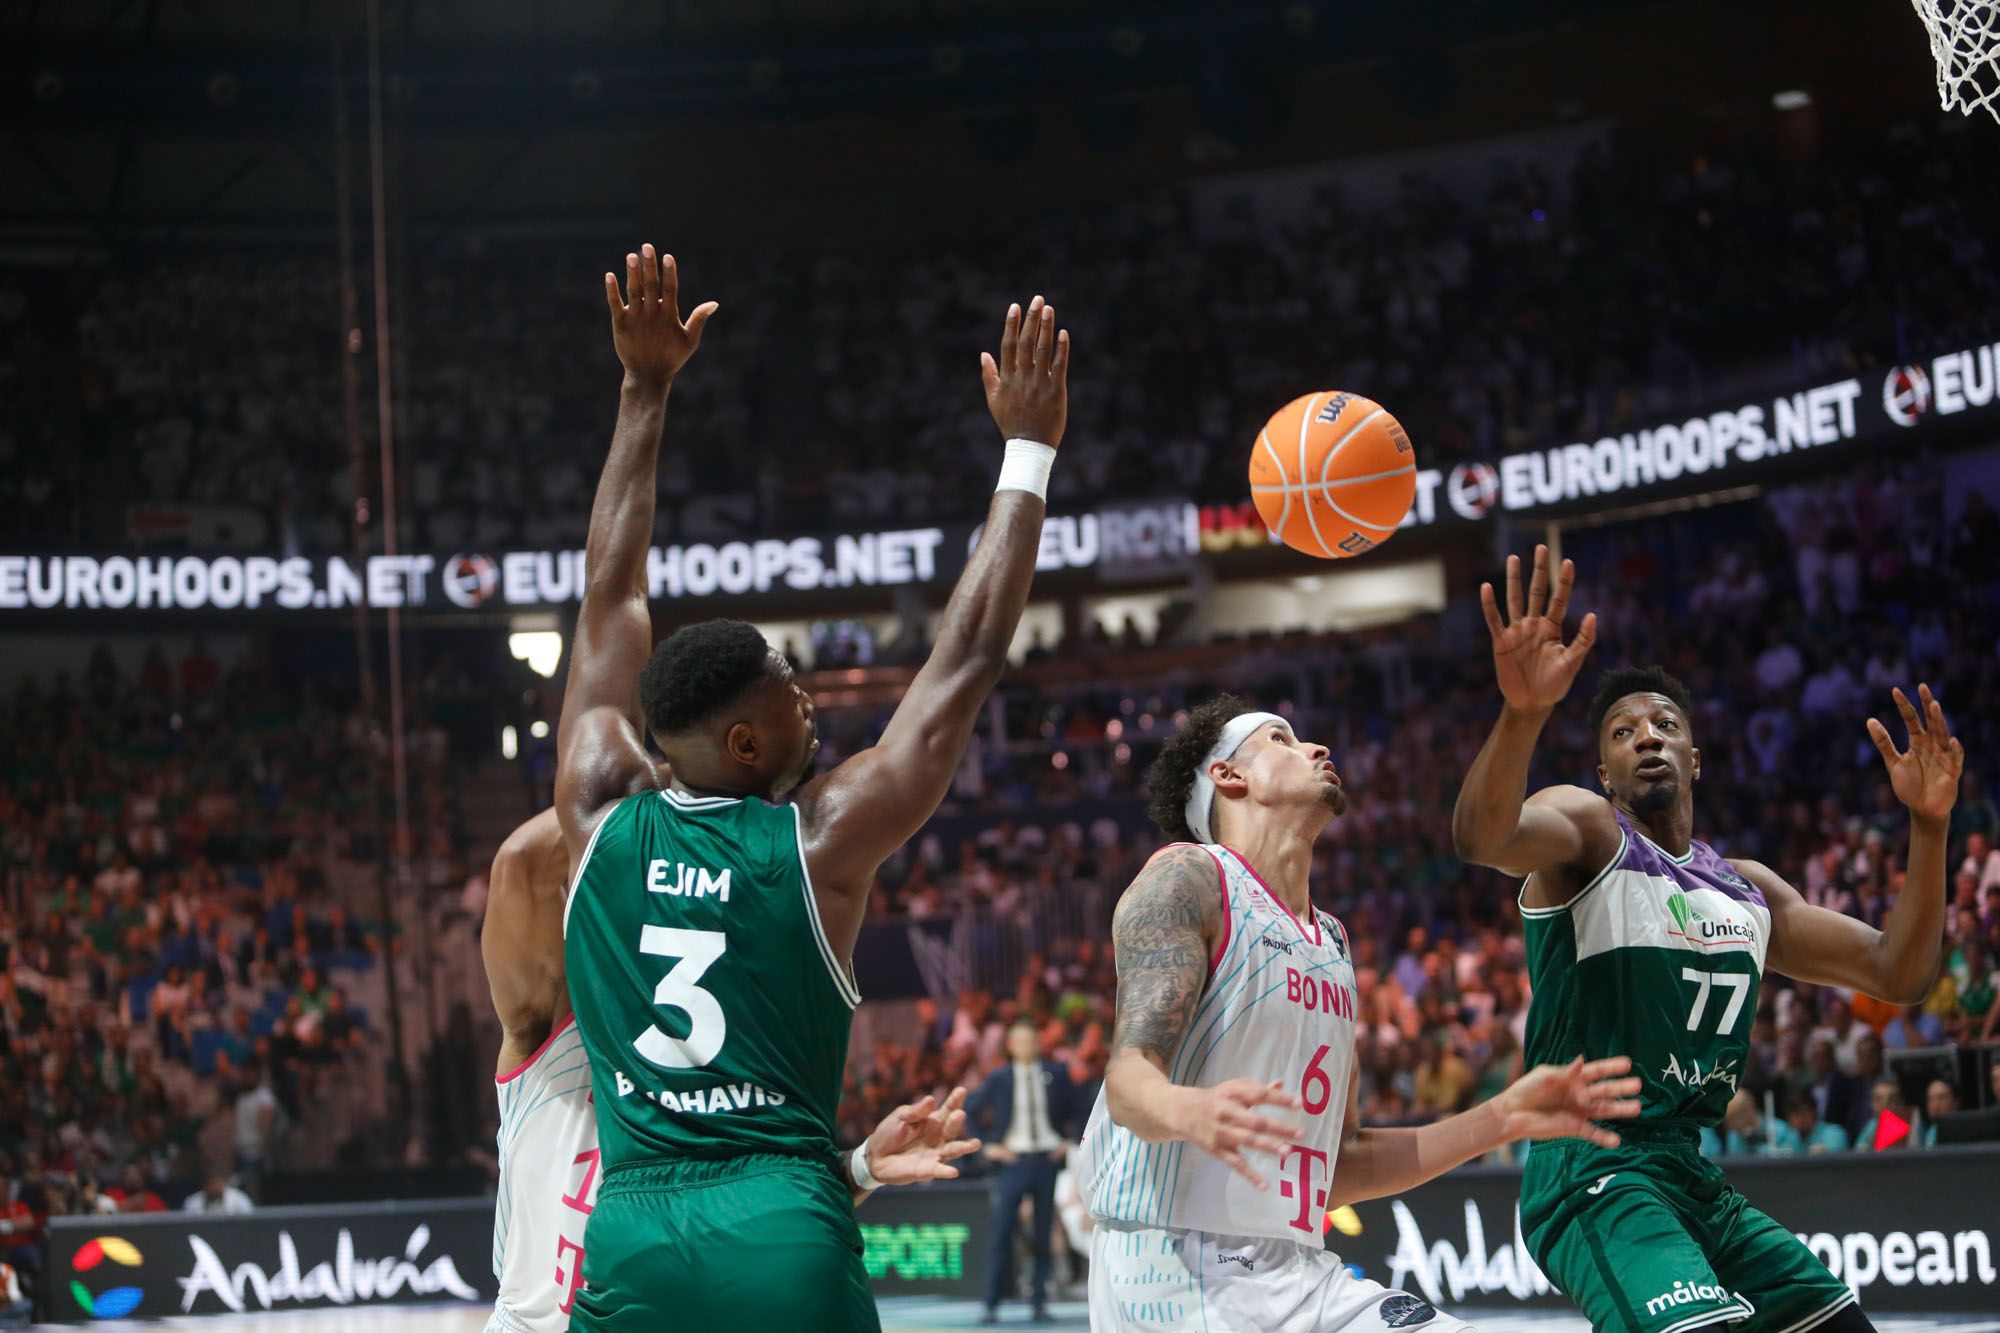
x=697 y=950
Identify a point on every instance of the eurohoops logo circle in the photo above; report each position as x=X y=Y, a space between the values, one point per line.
x=1906 y=395
x=118 y=1301
x=469 y=580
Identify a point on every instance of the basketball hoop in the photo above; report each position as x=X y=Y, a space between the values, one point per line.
x=1965 y=43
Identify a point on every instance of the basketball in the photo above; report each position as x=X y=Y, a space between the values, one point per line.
x=1332 y=474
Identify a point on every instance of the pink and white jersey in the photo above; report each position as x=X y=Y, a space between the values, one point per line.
x=1279 y=1006
x=548 y=1185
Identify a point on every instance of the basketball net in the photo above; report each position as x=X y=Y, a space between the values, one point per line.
x=1965 y=43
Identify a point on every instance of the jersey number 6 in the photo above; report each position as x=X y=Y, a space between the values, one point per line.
x=696 y=950
x=1316 y=1089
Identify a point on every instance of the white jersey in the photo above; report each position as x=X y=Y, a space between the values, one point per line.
x=548 y=1185
x=1279 y=1007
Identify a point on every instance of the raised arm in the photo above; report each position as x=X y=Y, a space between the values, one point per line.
x=600 y=742
x=1495 y=823
x=869 y=806
x=1163 y=935
x=1547 y=1102
x=522 y=938
x=1900 y=961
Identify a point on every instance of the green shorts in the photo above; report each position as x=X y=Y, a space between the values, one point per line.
x=1649 y=1237
x=755 y=1242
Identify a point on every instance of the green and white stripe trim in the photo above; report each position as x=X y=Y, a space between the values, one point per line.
x=1730 y=1313
x=582 y=862
x=680 y=800
x=1820 y=1316
x=1521 y=900
x=843 y=976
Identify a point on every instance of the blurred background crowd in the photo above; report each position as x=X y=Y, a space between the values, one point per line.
x=227 y=981
x=1524 y=302
x=193 y=939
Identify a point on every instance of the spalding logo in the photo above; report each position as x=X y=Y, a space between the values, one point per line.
x=1403 y=1310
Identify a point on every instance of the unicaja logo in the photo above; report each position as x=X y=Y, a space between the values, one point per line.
x=116 y=1302
x=1691 y=925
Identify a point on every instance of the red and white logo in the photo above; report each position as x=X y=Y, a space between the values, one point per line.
x=1472 y=489
x=1906 y=395
x=468 y=580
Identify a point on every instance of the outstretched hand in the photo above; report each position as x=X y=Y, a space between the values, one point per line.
x=1535 y=668
x=1027 y=387
x=1564 y=1101
x=646 y=327
x=1224 y=1122
x=1925 y=776
x=919 y=1141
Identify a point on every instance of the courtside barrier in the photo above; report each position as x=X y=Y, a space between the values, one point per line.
x=1911 y=1232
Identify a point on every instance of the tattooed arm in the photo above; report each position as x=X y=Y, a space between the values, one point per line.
x=1163 y=935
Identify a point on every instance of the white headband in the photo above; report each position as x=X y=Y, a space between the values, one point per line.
x=1234 y=732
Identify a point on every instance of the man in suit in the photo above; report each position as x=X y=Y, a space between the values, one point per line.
x=1028 y=1111
x=1836 y=1096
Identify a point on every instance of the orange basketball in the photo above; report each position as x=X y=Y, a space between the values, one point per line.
x=1332 y=474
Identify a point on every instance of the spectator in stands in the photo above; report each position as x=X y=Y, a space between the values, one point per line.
x=20 y=1228
x=1977 y=1013
x=1940 y=1100
x=1915 y=1026
x=1835 y=1096
x=133 y=1195
x=258 y=1117
x=1840 y=1027
x=1803 y=1130
x=1743 y=1130
x=1886 y=1101
x=1442 y=1080
x=89 y=1198
x=1867 y=1072
x=217 y=1195
x=338 y=1024
x=15 y=1307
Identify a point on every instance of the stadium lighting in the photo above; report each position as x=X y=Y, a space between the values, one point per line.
x=1791 y=99
x=539 y=729
x=541 y=649
x=510 y=743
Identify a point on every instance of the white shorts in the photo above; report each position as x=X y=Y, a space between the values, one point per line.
x=1154 y=1278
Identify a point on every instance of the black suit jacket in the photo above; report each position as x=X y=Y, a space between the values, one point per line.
x=990 y=1109
x=1847 y=1103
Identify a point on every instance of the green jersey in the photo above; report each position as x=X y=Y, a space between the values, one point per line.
x=711 y=1005
x=1657 y=958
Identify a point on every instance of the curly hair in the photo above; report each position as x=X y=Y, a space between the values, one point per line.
x=1170 y=781
x=699 y=670
x=1618 y=682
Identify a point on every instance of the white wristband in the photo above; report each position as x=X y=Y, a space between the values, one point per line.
x=1026 y=468
x=857 y=1169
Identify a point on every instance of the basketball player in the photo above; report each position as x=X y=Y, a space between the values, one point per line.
x=548 y=1136
x=1235 y=993
x=1645 y=941
x=708 y=930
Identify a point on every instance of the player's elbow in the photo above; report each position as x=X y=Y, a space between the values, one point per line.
x=1907 y=986
x=1474 y=844
x=979 y=670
